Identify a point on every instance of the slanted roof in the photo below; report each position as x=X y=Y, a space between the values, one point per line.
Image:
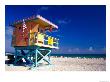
x=38 y=19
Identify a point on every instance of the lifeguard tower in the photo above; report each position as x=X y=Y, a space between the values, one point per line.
x=31 y=42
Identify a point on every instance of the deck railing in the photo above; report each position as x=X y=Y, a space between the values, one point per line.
x=41 y=39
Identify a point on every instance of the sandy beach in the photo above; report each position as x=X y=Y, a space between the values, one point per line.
x=66 y=64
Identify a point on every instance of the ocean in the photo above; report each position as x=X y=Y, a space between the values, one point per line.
x=76 y=55
x=81 y=55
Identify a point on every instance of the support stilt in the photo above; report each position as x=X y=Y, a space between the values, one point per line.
x=32 y=56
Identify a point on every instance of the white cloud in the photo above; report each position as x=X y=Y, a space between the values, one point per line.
x=76 y=49
x=8 y=47
x=43 y=8
x=64 y=21
x=8 y=39
x=91 y=48
x=8 y=31
x=69 y=50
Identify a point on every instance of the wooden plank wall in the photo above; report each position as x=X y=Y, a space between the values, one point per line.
x=21 y=38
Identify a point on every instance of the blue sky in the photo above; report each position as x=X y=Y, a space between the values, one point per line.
x=82 y=29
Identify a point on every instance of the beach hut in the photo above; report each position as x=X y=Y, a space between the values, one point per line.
x=31 y=42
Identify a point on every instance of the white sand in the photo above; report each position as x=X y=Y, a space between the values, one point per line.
x=66 y=64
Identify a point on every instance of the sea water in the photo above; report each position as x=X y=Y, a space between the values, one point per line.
x=78 y=55
x=81 y=55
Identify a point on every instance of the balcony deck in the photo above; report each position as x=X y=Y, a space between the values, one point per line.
x=43 y=40
x=48 y=46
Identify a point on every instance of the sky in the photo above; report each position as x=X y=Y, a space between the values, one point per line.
x=81 y=29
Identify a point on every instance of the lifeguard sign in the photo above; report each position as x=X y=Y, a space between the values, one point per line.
x=30 y=40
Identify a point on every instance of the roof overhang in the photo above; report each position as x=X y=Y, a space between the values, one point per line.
x=46 y=21
x=38 y=19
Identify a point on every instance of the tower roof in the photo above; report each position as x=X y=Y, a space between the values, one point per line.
x=45 y=20
x=38 y=19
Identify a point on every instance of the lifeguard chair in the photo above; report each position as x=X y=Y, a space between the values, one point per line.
x=31 y=42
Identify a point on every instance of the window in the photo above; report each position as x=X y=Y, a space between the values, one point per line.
x=40 y=30
x=19 y=28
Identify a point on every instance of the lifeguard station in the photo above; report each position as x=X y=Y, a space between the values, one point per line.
x=31 y=42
